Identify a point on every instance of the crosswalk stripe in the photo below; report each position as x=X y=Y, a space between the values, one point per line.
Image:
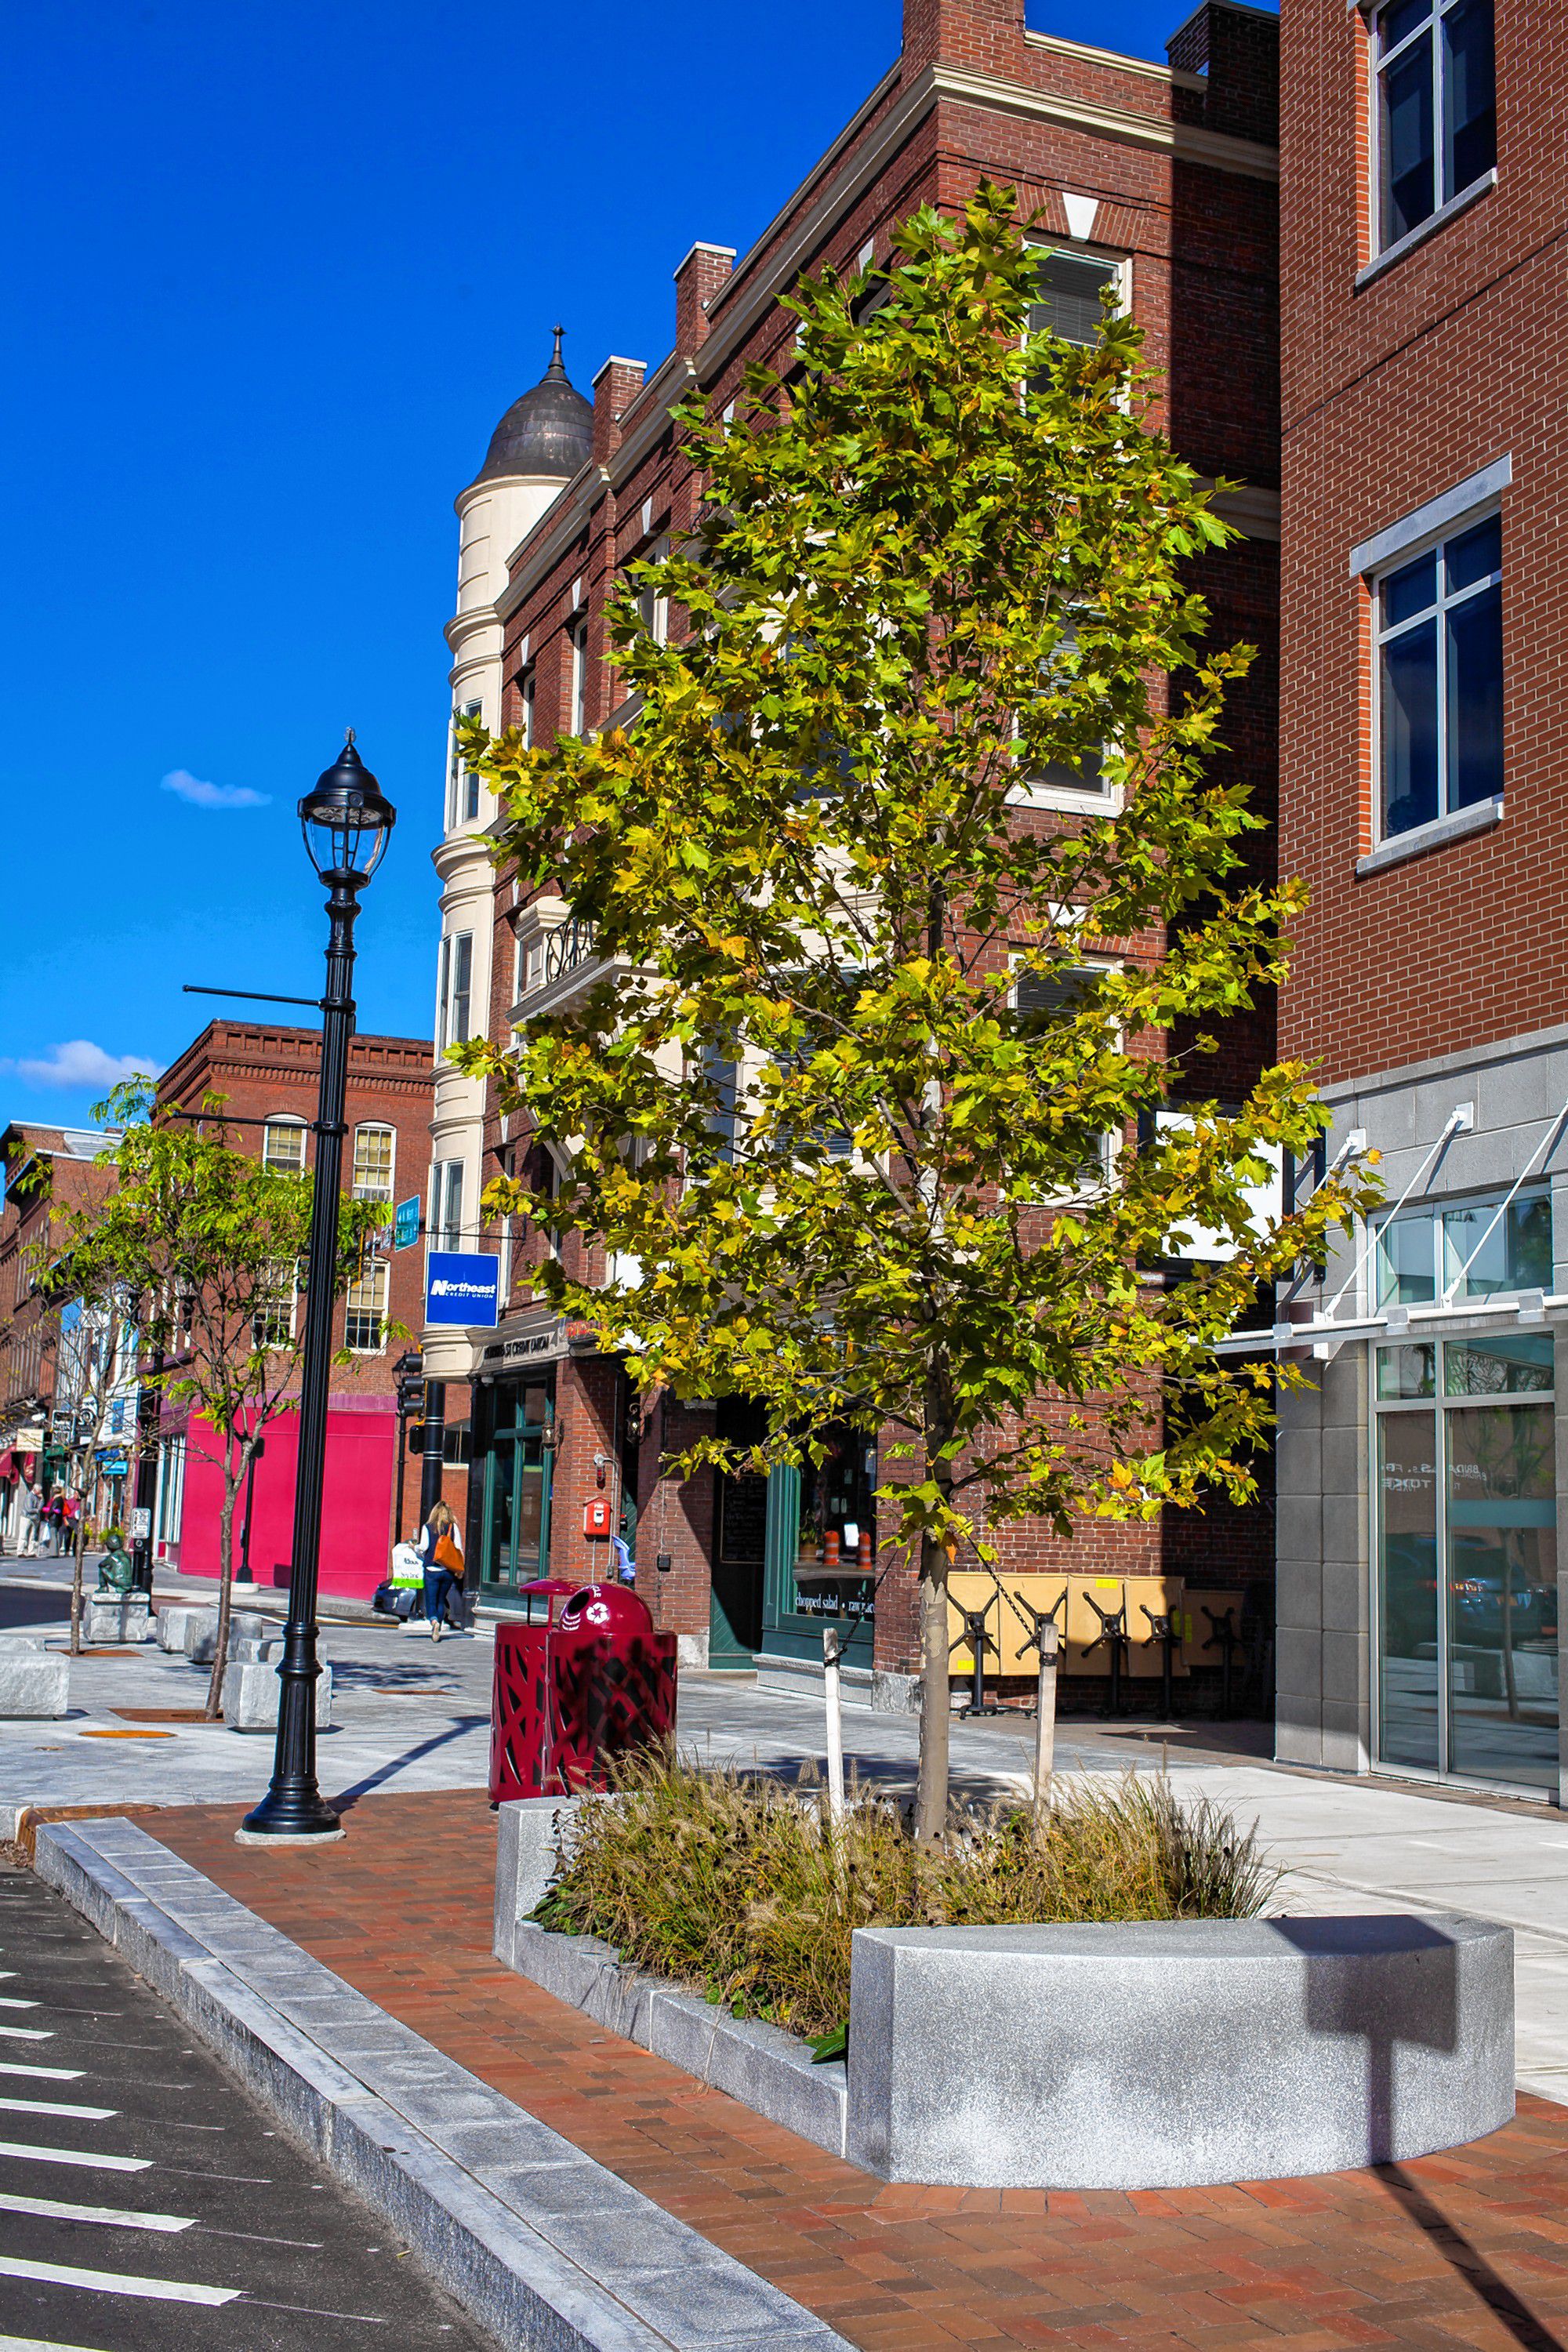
x=6 y=2002
x=75 y=2156
x=117 y=2281
x=51 y=2073
x=36 y=2344
x=55 y=2106
x=118 y=2217
x=27 y=2032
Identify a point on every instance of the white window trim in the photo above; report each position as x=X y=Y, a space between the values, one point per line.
x=1109 y=1140
x=446 y=993
x=579 y=634
x=375 y=1126
x=373 y=1268
x=290 y=1119
x=1467 y=501
x=1443 y=211
x=1448 y=824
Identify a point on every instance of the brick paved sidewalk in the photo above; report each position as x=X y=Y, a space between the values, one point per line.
x=1465 y=2249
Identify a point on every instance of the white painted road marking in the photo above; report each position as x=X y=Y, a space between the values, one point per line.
x=26 y=2033
x=53 y=2075
x=57 y=2209
x=6 y=2002
x=117 y=2281
x=36 y=2344
x=75 y=2156
x=56 y=2107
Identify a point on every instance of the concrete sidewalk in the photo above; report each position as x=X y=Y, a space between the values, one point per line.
x=1465 y=2249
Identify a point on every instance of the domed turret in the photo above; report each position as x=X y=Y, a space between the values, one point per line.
x=549 y=431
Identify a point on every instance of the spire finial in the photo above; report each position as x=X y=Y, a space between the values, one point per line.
x=556 y=367
x=348 y=735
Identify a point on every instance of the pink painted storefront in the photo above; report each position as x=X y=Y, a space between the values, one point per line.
x=357 y=1513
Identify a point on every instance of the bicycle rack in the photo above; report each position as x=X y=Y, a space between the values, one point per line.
x=1228 y=1642
x=1163 y=1629
x=977 y=1638
x=1113 y=1634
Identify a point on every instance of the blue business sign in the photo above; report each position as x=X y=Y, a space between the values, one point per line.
x=460 y=1288
x=406 y=1224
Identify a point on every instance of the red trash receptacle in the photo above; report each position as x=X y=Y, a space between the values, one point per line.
x=596 y=1682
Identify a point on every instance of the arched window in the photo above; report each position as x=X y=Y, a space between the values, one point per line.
x=283 y=1147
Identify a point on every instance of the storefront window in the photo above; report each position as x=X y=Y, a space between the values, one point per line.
x=1480 y=1249
x=1466 y=1558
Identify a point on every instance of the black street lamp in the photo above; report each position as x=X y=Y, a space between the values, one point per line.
x=347 y=824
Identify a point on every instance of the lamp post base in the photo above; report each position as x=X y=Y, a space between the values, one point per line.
x=294 y=1817
x=242 y=1836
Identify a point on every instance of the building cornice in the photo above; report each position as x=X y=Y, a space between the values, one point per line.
x=737 y=306
x=1112 y=59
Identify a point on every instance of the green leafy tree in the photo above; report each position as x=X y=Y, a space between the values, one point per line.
x=212 y=1245
x=870 y=1108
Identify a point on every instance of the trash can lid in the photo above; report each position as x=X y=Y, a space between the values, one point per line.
x=605 y=1609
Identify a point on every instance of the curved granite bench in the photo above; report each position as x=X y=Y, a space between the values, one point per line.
x=1167 y=2054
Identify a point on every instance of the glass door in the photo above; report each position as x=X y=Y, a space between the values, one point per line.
x=1467 y=1560
x=517 y=1492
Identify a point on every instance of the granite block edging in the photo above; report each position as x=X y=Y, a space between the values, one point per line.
x=546 y=2248
x=771 y=2071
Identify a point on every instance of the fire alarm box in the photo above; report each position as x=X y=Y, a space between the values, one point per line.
x=596 y=1516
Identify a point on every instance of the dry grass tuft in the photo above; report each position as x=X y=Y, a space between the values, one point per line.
x=733 y=1885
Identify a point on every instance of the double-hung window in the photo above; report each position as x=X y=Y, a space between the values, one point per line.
x=1056 y=996
x=456 y=985
x=462 y=783
x=1436 y=109
x=283 y=1147
x=580 y=678
x=1439 y=634
x=1069 y=287
x=446 y=1205
x=653 y=605
x=365 y=1318
x=527 y=699
x=1064 y=783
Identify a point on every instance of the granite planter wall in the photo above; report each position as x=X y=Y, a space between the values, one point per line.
x=1158 y=2054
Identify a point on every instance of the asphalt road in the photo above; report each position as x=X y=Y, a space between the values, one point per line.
x=147 y=2204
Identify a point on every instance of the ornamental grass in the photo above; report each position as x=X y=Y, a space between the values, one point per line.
x=734 y=1884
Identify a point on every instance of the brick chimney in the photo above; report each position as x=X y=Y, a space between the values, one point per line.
x=983 y=36
x=1238 y=49
x=700 y=277
x=616 y=387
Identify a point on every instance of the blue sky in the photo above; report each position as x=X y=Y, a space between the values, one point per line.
x=274 y=270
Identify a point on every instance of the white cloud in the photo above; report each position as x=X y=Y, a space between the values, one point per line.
x=79 y=1063
x=186 y=787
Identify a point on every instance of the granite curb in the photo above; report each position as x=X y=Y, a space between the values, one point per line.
x=550 y=2251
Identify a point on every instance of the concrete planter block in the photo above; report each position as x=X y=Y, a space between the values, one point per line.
x=201 y=1646
x=250 y=1688
x=33 y=1683
x=173 y=1625
x=115 y=1620
x=528 y=1831
x=1174 y=2054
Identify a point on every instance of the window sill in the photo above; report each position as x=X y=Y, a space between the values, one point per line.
x=1428 y=227
x=1436 y=835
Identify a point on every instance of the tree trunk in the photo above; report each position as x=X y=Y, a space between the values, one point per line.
x=931 y=1787
x=225 y=1580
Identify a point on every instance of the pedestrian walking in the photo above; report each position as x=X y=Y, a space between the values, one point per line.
x=443 y=1562
x=31 y=1504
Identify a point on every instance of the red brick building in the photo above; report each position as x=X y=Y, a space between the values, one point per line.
x=1157 y=180
x=268 y=1074
x=49 y=1172
x=1424 y=710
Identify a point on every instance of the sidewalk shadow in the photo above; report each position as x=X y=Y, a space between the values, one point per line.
x=348 y=1797
x=1422 y=2008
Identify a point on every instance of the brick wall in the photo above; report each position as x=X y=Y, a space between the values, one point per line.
x=1392 y=393
x=1203 y=247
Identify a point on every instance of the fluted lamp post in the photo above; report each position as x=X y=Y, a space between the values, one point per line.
x=347 y=824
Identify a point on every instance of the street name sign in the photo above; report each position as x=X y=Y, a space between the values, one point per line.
x=406 y=1224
